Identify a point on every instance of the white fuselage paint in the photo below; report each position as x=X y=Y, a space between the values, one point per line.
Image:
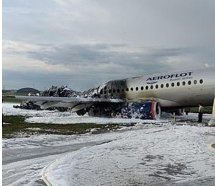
x=199 y=89
x=174 y=96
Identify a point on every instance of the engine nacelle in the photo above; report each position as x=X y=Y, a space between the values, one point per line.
x=142 y=110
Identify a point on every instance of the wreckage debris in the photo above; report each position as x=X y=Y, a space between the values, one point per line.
x=28 y=105
x=62 y=91
x=131 y=110
x=54 y=91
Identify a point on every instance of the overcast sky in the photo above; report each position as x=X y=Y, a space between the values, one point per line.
x=83 y=43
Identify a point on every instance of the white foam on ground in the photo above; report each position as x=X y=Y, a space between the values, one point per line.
x=7 y=109
x=142 y=154
x=147 y=156
x=57 y=117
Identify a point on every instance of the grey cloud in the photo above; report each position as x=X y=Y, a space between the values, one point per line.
x=91 y=56
x=104 y=54
x=72 y=54
x=41 y=80
x=91 y=65
x=168 y=35
x=101 y=53
x=164 y=23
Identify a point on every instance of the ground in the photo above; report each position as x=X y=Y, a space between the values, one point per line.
x=145 y=153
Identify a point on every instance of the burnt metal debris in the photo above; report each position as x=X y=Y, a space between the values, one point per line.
x=28 y=105
x=131 y=110
x=62 y=91
x=55 y=91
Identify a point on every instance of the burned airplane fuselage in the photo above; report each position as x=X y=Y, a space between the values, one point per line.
x=113 y=89
x=171 y=90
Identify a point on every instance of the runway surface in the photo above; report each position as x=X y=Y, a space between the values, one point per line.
x=143 y=154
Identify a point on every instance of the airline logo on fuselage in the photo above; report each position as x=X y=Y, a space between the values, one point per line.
x=171 y=77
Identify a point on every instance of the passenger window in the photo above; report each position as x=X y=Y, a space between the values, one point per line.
x=132 y=89
x=118 y=90
x=167 y=85
x=114 y=90
x=147 y=87
x=189 y=82
x=156 y=86
x=141 y=88
x=101 y=92
x=172 y=84
x=201 y=81
x=195 y=82
x=183 y=83
x=109 y=91
x=105 y=92
x=136 y=88
x=178 y=84
x=162 y=85
x=151 y=87
x=127 y=89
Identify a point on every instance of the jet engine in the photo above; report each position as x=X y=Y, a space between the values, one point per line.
x=142 y=110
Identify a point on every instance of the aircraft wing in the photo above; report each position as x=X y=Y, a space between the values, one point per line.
x=75 y=103
x=69 y=99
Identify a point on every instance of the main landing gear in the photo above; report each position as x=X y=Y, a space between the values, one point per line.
x=212 y=121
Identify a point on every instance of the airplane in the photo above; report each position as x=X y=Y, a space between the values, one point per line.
x=164 y=91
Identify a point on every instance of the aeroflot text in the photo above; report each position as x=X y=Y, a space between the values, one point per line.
x=185 y=74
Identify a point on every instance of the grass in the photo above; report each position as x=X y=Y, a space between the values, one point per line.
x=16 y=125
